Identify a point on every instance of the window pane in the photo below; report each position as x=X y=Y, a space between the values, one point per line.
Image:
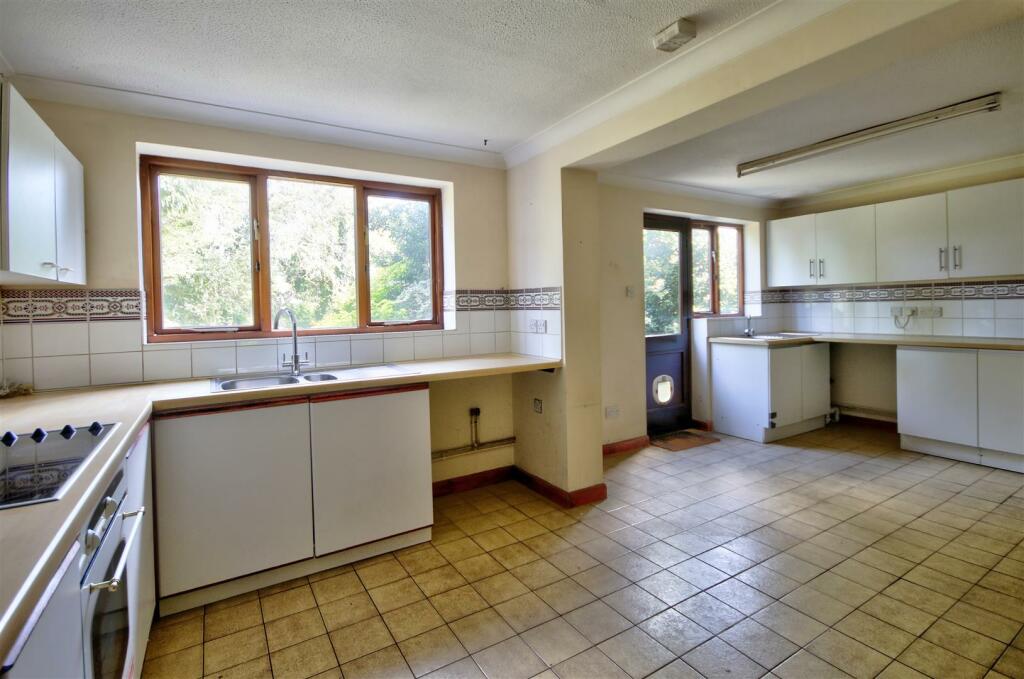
x=401 y=276
x=700 y=256
x=205 y=252
x=728 y=270
x=313 y=252
x=661 y=282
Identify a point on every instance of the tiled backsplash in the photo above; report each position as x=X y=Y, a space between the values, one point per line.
x=57 y=339
x=977 y=309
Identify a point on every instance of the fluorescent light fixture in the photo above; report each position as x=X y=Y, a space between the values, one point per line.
x=989 y=102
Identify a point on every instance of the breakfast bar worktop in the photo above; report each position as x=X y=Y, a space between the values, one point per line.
x=951 y=342
x=35 y=538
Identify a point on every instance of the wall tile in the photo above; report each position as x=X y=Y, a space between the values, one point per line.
x=481 y=321
x=18 y=370
x=948 y=326
x=951 y=308
x=1009 y=308
x=481 y=343
x=1009 y=327
x=502 y=320
x=865 y=324
x=115 y=336
x=213 y=361
x=258 y=358
x=534 y=344
x=60 y=372
x=551 y=346
x=400 y=348
x=979 y=308
x=554 y=321
x=168 y=364
x=865 y=309
x=428 y=346
x=843 y=324
x=367 y=350
x=333 y=353
x=455 y=345
x=979 y=327
x=502 y=342
x=17 y=340
x=60 y=339
x=117 y=368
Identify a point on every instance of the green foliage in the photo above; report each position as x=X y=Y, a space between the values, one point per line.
x=400 y=266
x=700 y=263
x=661 y=282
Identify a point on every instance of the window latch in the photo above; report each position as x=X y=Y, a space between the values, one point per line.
x=255 y=229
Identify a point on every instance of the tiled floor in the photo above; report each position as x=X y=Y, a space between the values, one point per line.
x=833 y=554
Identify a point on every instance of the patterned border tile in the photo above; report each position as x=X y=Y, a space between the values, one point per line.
x=1009 y=289
x=502 y=300
x=54 y=305
x=111 y=305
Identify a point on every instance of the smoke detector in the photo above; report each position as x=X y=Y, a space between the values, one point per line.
x=675 y=35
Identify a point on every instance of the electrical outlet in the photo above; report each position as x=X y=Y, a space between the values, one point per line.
x=611 y=412
x=542 y=326
x=538 y=405
x=930 y=312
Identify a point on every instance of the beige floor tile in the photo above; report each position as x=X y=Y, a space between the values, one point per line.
x=589 y=665
x=668 y=587
x=936 y=661
x=634 y=603
x=664 y=554
x=359 y=639
x=740 y=596
x=547 y=544
x=1011 y=663
x=759 y=643
x=230 y=620
x=537 y=574
x=257 y=668
x=793 y=567
x=500 y=587
x=381 y=573
x=480 y=630
x=478 y=567
x=528 y=528
x=675 y=631
x=996 y=602
x=980 y=620
x=283 y=586
x=715 y=658
x=790 y=623
x=294 y=628
x=698 y=573
x=875 y=633
x=573 y=561
x=897 y=670
x=525 y=611
x=395 y=595
x=287 y=602
x=636 y=652
x=494 y=538
x=431 y=650
x=868 y=576
x=919 y=597
x=167 y=639
x=597 y=621
x=711 y=613
x=768 y=581
x=439 y=580
x=460 y=669
x=458 y=603
x=565 y=595
x=848 y=654
x=821 y=607
x=411 y=620
x=804 y=665
x=234 y=649
x=336 y=587
x=386 y=663
x=183 y=664
x=838 y=587
x=601 y=580
x=962 y=641
x=459 y=549
x=303 y=660
x=515 y=554
x=344 y=612
x=511 y=659
x=555 y=641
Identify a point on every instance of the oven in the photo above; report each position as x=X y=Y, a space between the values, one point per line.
x=111 y=540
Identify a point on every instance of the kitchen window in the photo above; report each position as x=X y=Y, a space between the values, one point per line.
x=225 y=247
x=716 y=252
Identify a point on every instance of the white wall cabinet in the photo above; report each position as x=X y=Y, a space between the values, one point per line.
x=234 y=493
x=1001 y=401
x=371 y=467
x=846 y=245
x=986 y=229
x=937 y=394
x=762 y=393
x=792 y=257
x=911 y=239
x=42 y=209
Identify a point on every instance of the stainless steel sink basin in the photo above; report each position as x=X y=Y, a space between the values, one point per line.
x=254 y=382
x=319 y=377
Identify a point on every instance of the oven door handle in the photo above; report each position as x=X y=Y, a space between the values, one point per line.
x=114 y=583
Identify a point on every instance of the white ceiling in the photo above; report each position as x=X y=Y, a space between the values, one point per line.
x=453 y=72
x=987 y=62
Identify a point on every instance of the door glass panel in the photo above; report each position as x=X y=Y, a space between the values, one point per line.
x=728 y=270
x=206 y=277
x=661 y=282
x=700 y=263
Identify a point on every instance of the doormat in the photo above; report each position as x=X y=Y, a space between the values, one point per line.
x=682 y=440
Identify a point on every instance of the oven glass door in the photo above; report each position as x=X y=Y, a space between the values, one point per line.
x=106 y=609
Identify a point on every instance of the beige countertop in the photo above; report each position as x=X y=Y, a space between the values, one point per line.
x=893 y=340
x=35 y=538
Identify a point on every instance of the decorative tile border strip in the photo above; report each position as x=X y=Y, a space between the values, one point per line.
x=1009 y=289
x=503 y=300
x=56 y=305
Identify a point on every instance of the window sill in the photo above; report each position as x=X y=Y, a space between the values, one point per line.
x=196 y=337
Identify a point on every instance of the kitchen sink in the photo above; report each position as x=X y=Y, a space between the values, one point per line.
x=319 y=377
x=254 y=382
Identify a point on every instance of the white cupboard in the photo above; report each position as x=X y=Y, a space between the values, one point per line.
x=141 y=566
x=792 y=257
x=986 y=230
x=846 y=245
x=937 y=394
x=371 y=466
x=911 y=239
x=763 y=393
x=1001 y=401
x=234 y=493
x=42 y=208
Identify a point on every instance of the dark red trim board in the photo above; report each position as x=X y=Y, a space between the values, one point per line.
x=626 y=445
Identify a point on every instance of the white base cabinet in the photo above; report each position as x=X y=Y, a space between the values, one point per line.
x=141 y=565
x=234 y=493
x=966 y=404
x=371 y=466
x=764 y=394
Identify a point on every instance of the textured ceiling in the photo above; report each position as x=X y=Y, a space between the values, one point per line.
x=453 y=72
x=987 y=62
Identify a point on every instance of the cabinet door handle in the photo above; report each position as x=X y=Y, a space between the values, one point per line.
x=957 y=263
x=812 y=268
x=50 y=265
x=942 y=259
x=821 y=268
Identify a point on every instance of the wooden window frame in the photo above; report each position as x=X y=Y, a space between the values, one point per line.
x=712 y=229
x=151 y=167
